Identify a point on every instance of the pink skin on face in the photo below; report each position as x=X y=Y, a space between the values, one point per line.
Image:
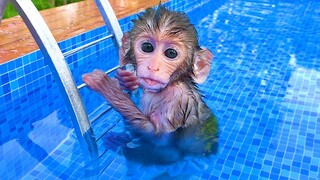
x=155 y=68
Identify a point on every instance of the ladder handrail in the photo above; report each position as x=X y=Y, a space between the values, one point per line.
x=60 y=70
x=111 y=21
x=3 y=5
x=62 y=74
x=114 y=28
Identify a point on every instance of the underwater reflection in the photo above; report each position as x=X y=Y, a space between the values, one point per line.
x=162 y=157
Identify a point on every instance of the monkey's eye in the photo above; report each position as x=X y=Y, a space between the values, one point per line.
x=146 y=47
x=171 y=53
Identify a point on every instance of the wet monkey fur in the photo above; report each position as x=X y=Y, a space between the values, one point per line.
x=173 y=120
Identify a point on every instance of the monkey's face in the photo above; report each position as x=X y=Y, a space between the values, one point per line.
x=157 y=59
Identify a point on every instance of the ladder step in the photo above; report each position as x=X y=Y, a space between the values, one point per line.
x=107 y=160
x=101 y=122
x=100 y=114
x=107 y=130
x=73 y=51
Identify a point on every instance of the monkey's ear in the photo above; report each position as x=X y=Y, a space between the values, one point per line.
x=124 y=48
x=202 y=65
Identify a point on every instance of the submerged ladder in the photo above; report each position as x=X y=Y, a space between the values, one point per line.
x=60 y=70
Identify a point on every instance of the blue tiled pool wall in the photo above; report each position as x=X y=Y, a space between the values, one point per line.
x=33 y=116
x=265 y=88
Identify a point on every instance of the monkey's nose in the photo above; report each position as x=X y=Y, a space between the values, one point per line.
x=153 y=68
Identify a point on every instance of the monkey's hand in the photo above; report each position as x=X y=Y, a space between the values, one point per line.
x=98 y=81
x=109 y=88
x=127 y=80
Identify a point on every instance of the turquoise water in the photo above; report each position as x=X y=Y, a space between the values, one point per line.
x=264 y=87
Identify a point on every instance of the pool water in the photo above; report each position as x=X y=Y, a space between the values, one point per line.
x=264 y=87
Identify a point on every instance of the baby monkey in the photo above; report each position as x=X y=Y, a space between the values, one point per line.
x=173 y=120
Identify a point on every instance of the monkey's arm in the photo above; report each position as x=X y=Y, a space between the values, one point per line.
x=120 y=101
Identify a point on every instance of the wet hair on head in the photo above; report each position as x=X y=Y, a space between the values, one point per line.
x=171 y=23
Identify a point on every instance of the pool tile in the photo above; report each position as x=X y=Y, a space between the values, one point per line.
x=263 y=87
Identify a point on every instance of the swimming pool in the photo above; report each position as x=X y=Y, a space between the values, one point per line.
x=264 y=87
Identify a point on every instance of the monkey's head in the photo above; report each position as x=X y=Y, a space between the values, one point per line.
x=164 y=47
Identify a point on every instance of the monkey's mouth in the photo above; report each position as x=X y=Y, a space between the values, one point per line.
x=151 y=84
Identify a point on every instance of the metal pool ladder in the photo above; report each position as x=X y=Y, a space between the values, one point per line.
x=59 y=68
